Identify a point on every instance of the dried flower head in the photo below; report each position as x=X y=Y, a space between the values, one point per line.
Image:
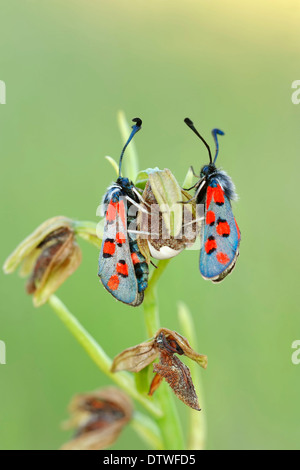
x=174 y=372
x=98 y=418
x=48 y=256
x=164 y=346
x=167 y=220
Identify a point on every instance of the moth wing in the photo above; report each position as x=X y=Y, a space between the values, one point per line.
x=221 y=235
x=178 y=377
x=116 y=269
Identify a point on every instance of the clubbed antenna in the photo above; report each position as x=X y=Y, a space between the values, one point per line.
x=191 y=126
x=135 y=129
x=215 y=133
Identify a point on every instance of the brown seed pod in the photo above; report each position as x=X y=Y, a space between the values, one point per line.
x=164 y=346
x=166 y=222
x=98 y=418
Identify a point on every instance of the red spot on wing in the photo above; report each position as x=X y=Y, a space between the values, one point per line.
x=122 y=269
x=111 y=212
x=210 y=218
x=223 y=228
x=210 y=246
x=218 y=195
x=238 y=230
x=113 y=282
x=109 y=248
x=222 y=258
x=122 y=213
x=120 y=238
x=209 y=194
x=135 y=258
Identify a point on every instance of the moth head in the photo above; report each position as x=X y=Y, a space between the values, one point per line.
x=207 y=170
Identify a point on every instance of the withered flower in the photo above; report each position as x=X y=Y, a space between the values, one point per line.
x=48 y=256
x=164 y=345
x=168 y=222
x=174 y=371
x=98 y=418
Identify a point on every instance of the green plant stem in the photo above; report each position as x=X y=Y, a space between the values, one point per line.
x=151 y=313
x=94 y=350
x=156 y=274
x=148 y=429
x=85 y=225
x=91 y=232
x=197 y=420
x=169 y=423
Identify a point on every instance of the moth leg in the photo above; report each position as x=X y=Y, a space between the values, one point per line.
x=190 y=200
x=139 y=232
x=193 y=171
x=141 y=197
x=137 y=205
x=193 y=221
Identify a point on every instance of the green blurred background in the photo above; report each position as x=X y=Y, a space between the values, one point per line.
x=69 y=67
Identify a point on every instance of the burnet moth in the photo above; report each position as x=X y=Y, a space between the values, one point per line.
x=220 y=233
x=123 y=270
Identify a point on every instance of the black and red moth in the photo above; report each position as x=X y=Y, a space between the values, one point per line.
x=220 y=233
x=123 y=270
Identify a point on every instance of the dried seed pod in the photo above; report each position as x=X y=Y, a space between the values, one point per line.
x=174 y=372
x=136 y=358
x=182 y=343
x=167 y=222
x=164 y=346
x=98 y=418
x=49 y=256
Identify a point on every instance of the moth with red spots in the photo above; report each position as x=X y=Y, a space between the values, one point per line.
x=123 y=270
x=220 y=234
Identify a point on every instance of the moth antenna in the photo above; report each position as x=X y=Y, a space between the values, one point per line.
x=191 y=126
x=215 y=133
x=135 y=129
